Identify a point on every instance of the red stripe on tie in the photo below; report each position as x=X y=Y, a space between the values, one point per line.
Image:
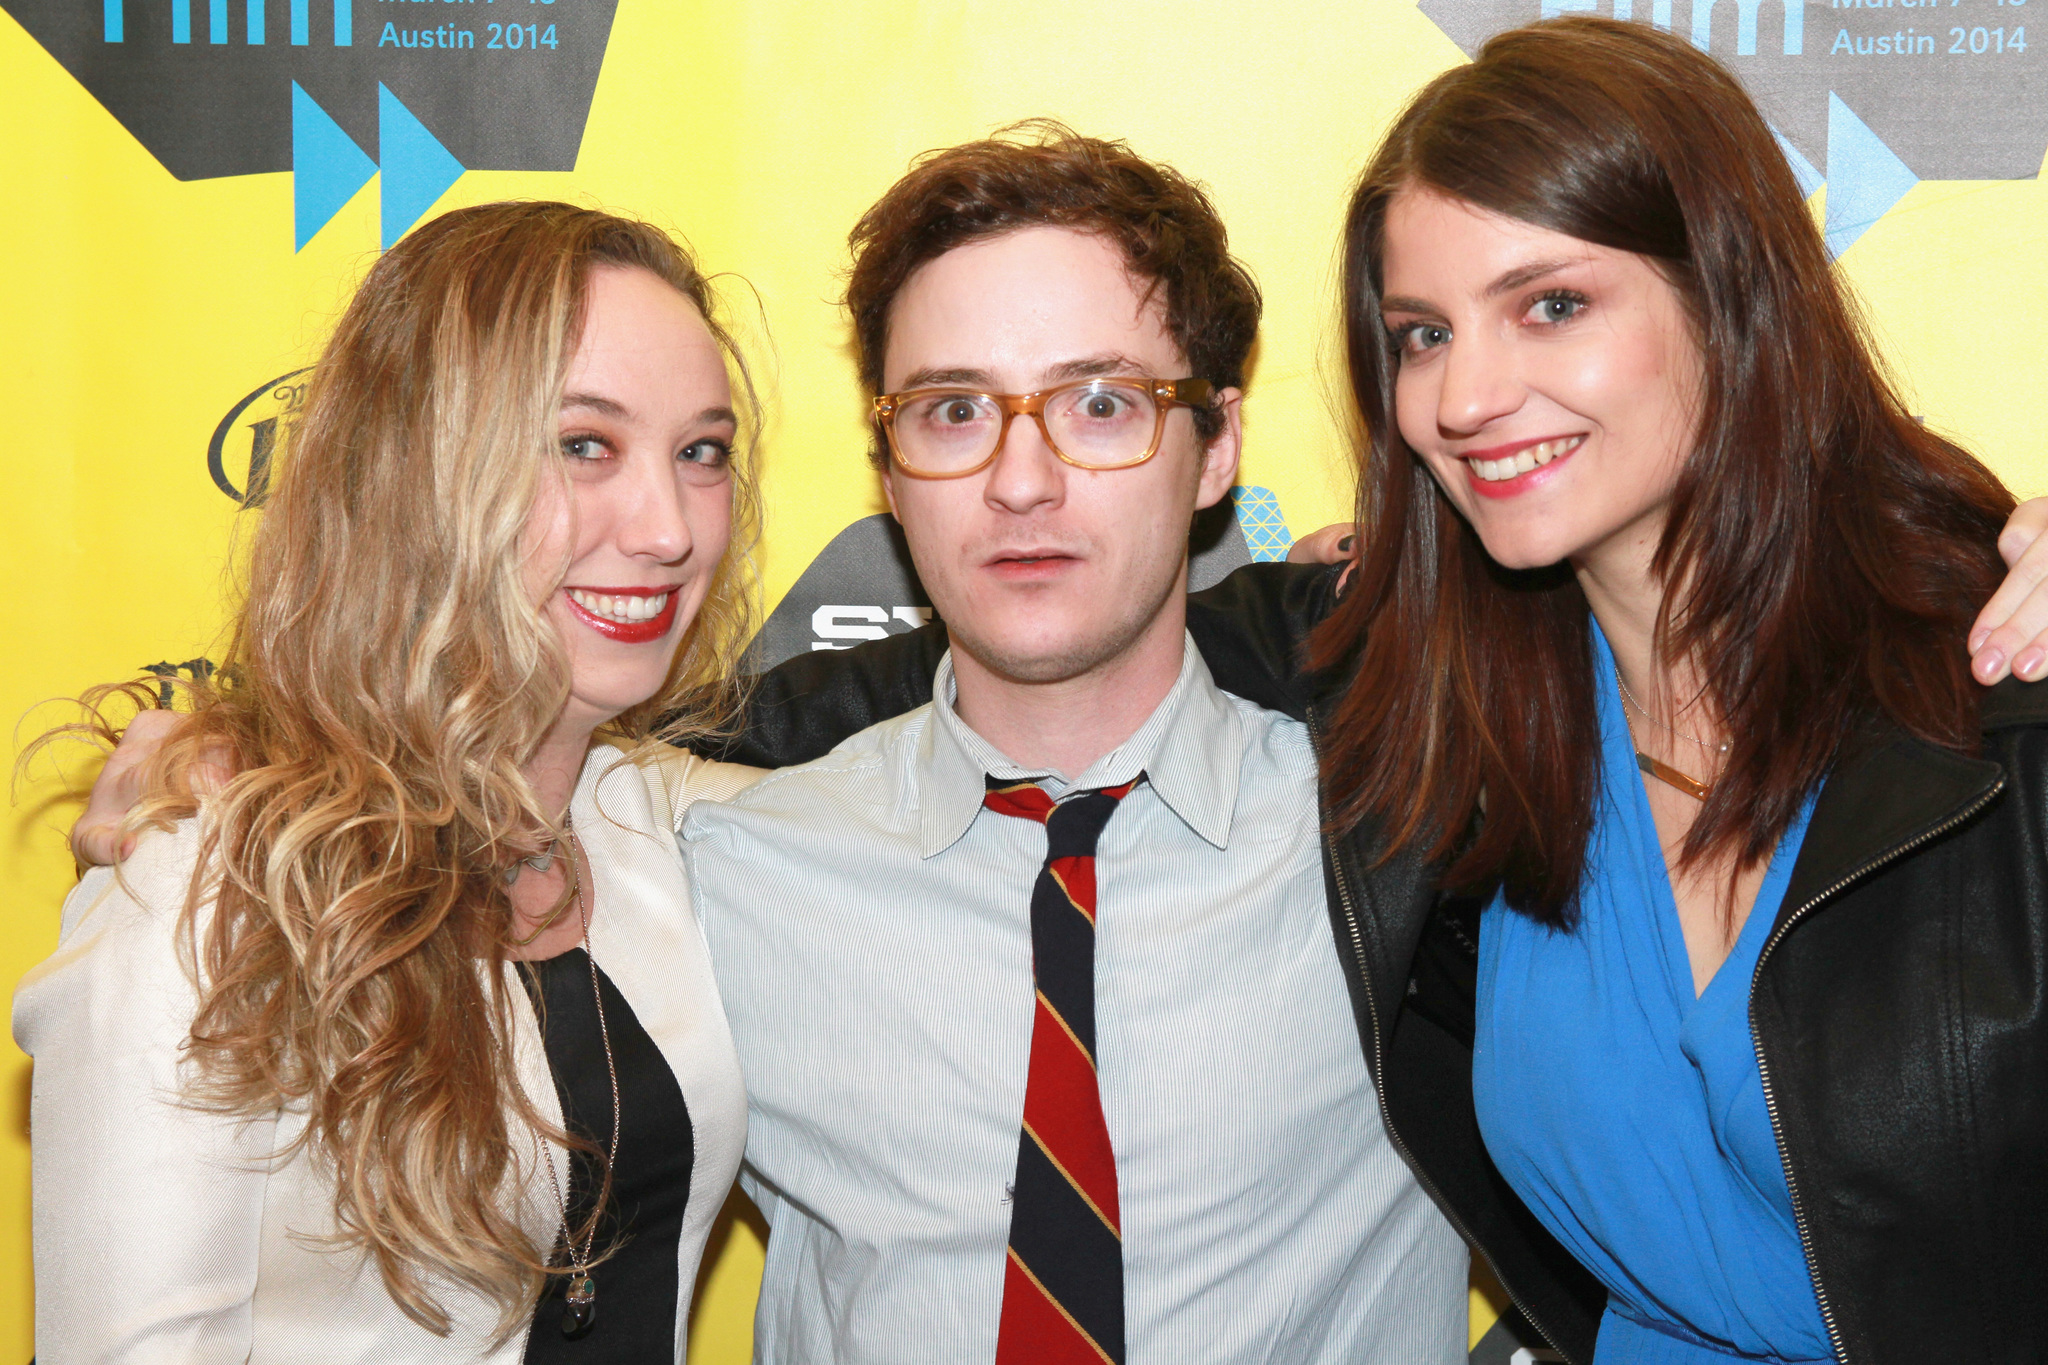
x=1027 y=801
x=1062 y=1108
x=1036 y=1331
x=1077 y=875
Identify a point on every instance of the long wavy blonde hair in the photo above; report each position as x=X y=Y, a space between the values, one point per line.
x=387 y=675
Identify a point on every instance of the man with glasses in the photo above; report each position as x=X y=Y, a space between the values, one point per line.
x=1049 y=1050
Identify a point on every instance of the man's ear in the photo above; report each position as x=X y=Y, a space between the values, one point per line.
x=889 y=491
x=1220 y=456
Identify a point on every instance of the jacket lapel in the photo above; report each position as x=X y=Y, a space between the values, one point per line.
x=1377 y=918
x=1876 y=804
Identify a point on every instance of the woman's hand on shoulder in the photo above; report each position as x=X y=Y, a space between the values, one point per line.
x=1333 y=544
x=2011 y=633
x=97 y=839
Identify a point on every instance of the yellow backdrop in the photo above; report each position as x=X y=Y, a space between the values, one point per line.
x=141 y=308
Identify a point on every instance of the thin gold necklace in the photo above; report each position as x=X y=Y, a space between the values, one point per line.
x=1630 y=698
x=1657 y=768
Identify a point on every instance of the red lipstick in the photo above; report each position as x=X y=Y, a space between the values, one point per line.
x=626 y=632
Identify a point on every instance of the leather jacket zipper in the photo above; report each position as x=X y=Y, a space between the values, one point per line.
x=1429 y=1188
x=1763 y=1066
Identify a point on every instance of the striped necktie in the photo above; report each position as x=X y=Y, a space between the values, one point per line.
x=1063 y=1284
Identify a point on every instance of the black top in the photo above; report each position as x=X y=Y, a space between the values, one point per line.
x=636 y=1285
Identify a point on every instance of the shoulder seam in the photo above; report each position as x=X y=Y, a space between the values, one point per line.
x=840 y=762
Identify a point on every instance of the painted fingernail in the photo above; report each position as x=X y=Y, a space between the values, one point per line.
x=2028 y=665
x=1988 y=664
x=1344 y=545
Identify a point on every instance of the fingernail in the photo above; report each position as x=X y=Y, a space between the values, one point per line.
x=1978 y=637
x=2028 y=665
x=1988 y=664
x=1344 y=545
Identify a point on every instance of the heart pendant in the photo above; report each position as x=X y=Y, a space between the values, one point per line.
x=581 y=1309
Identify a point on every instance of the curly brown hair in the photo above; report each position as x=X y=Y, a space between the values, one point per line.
x=1042 y=173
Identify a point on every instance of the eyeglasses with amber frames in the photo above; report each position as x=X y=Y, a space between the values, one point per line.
x=1110 y=423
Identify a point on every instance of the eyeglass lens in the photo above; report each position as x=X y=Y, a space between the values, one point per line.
x=1100 y=423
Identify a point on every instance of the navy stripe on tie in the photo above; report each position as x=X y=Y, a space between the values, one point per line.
x=1067 y=1246
x=1063 y=958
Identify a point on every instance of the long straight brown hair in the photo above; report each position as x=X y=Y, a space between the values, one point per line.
x=1829 y=548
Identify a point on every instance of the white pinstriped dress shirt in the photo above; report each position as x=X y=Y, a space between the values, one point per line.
x=870 y=930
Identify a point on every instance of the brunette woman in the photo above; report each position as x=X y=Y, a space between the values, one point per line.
x=1654 y=647
x=409 y=1024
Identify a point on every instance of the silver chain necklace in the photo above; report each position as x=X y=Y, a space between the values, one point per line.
x=581 y=1295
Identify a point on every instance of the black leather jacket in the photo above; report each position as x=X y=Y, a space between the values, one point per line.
x=1900 y=1006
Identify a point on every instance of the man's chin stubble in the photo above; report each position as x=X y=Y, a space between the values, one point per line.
x=1076 y=660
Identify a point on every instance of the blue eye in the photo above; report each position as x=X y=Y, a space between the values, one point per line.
x=1562 y=306
x=1417 y=337
x=587 y=448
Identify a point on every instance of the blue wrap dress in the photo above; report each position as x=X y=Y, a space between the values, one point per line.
x=1628 y=1112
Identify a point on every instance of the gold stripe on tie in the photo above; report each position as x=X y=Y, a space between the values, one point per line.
x=1068 y=1176
x=1058 y=1307
x=1067 y=1029
x=1068 y=892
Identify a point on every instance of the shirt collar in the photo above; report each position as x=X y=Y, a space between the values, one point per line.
x=1189 y=748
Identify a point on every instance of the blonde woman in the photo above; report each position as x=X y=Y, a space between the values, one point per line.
x=403 y=1045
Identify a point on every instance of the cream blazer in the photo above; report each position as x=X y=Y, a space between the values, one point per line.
x=163 y=1234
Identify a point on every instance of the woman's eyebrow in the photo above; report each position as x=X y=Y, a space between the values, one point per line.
x=597 y=402
x=1506 y=283
x=1525 y=274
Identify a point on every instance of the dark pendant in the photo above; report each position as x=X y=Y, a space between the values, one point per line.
x=581 y=1309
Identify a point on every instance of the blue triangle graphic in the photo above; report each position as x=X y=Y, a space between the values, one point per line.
x=1865 y=177
x=327 y=168
x=417 y=168
x=1260 y=520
